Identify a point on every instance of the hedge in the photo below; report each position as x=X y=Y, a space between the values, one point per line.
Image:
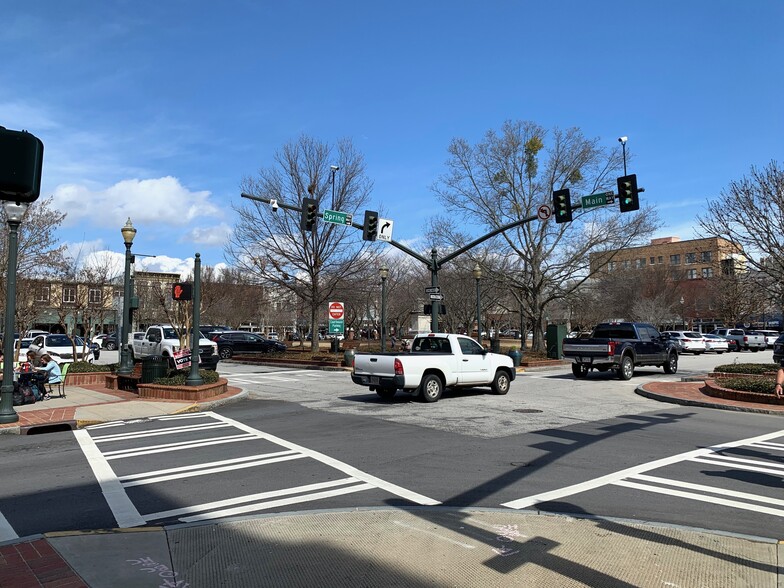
x=760 y=385
x=178 y=377
x=83 y=367
x=747 y=368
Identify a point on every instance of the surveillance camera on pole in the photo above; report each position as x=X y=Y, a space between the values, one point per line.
x=623 y=140
x=334 y=168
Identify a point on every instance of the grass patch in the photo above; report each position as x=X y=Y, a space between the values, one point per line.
x=747 y=368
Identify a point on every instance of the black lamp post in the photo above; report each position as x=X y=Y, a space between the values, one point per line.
x=194 y=379
x=622 y=141
x=333 y=168
x=384 y=272
x=477 y=277
x=13 y=212
x=126 y=363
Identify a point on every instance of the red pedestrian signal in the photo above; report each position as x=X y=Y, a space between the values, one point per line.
x=182 y=291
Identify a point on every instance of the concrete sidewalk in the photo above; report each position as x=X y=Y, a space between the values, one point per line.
x=422 y=547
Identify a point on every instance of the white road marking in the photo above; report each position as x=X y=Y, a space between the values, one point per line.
x=137 y=451
x=214 y=470
x=159 y=432
x=633 y=471
x=187 y=510
x=702 y=498
x=738 y=466
x=122 y=508
x=230 y=512
x=338 y=465
x=197 y=466
x=768 y=445
x=7 y=532
x=709 y=489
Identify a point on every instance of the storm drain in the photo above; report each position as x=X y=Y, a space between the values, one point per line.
x=526 y=410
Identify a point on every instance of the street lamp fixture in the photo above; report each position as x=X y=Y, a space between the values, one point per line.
x=126 y=363
x=14 y=213
x=477 y=277
x=384 y=273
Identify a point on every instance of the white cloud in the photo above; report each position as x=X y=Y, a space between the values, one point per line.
x=162 y=200
x=217 y=235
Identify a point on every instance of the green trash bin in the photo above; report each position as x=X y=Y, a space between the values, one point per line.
x=554 y=338
x=154 y=367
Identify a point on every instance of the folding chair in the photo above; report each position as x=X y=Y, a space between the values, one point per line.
x=61 y=384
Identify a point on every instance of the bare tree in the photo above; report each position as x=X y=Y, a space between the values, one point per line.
x=499 y=181
x=270 y=244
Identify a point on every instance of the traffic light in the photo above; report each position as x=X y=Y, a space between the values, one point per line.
x=309 y=212
x=370 y=228
x=182 y=291
x=562 y=206
x=628 y=194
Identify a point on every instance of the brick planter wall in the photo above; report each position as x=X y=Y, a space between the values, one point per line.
x=185 y=393
x=86 y=378
x=713 y=388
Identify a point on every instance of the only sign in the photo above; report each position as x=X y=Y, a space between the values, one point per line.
x=336 y=310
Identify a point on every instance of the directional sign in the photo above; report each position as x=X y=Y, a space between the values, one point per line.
x=337 y=217
x=544 y=212
x=598 y=199
x=336 y=310
x=384 y=230
x=436 y=297
x=433 y=290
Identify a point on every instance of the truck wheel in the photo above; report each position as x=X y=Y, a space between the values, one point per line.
x=580 y=370
x=431 y=388
x=672 y=364
x=626 y=370
x=386 y=393
x=500 y=383
x=225 y=352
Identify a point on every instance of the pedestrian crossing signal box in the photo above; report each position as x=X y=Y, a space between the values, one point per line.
x=182 y=291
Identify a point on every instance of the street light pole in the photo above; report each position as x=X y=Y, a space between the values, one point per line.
x=477 y=277
x=126 y=363
x=384 y=272
x=333 y=168
x=14 y=213
x=622 y=141
x=194 y=379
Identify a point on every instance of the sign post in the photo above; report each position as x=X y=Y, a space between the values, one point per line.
x=336 y=317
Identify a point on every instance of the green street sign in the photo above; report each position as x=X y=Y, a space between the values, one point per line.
x=337 y=217
x=336 y=326
x=598 y=199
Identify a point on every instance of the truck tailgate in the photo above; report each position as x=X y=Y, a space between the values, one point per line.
x=370 y=364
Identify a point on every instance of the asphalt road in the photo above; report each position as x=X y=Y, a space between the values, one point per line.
x=313 y=440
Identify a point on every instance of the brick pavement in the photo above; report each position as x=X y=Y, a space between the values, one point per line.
x=35 y=564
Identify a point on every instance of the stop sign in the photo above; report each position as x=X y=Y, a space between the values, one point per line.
x=336 y=310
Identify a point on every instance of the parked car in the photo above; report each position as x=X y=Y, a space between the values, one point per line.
x=24 y=345
x=272 y=336
x=61 y=348
x=309 y=337
x=98 y=339
x=778 y=349
x=208 y=330
x=687 y=341
x=232 y=343
x=716 y=343
x=110 y=341
x=748 y=340
x=770 y=336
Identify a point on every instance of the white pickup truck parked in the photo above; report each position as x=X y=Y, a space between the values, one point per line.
x=163 y=340
x=436 y=361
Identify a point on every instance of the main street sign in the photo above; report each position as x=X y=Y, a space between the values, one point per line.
x=598 y=199
x=337 y=217
x=436 y=297
x=433 y=290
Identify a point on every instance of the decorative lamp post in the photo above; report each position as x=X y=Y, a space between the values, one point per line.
x=126 y=363
x=477 y=277
x=384 y=273
x=683 y=319
x=194 y=379
x=13 y=212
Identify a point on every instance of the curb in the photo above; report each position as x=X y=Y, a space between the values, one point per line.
x=641 y=391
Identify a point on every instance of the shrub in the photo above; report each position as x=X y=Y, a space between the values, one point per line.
x=747 y=368
x=760 y=385
x=178 y=377
x=83 y=367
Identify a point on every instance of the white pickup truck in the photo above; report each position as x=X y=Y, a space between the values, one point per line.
x=163 y=340
x=436 y=361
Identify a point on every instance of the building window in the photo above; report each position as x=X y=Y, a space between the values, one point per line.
x=707 y=272
x=653 y=260
x=69 y=294
x=661 y=259
x=626 y=264
x=42 y=294
x=706 y=257
x=691 y=274
x=728 y=267
x=639 y=263
x=611 y=266
x=675 y=259
x=691 y=258
x=95 y=296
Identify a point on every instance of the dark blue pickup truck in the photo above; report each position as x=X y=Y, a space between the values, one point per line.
x=621 y=347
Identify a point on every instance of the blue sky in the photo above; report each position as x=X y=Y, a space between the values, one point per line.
x=157 y=110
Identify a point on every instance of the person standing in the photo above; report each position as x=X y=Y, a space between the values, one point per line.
x=779 y=390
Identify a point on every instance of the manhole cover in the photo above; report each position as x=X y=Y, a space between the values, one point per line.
x=526 y=410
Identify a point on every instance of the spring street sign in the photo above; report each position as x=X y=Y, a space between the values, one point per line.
x=337 y=217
